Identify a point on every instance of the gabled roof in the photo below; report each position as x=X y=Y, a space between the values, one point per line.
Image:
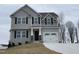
x=22 y=8
x=42 y=14
x=51 y=13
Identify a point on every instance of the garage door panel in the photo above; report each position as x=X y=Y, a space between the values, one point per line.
x=50 y=37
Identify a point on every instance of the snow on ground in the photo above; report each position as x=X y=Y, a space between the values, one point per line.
x=63 y=47
x=2 y=47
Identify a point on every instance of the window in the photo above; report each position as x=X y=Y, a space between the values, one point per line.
x=18 y=34
x=23 y=20
x=53 y=34
x=36 y=21
x=47 y=34
x=19 y=21
x=23 y=34
x=48 y=21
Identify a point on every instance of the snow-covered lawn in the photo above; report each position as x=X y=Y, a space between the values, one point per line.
x=63 y=48
x=2 y=47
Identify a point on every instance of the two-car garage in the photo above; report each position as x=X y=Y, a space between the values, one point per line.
x=50 y=36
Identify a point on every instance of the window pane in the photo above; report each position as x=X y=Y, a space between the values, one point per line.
x=53 y=34
x=19 y=21
x=48 y=21
x=23 y=20
x=18 y=33
x=23 y=34
x=47 y=34
x=36 y=21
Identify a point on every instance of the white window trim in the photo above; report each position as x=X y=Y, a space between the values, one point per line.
x=21 y=21
x=21 y=34
x=35 y=20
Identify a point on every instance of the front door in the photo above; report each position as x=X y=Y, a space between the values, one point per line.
x=36 y=35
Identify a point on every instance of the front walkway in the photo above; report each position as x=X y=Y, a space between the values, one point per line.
x=63 y=48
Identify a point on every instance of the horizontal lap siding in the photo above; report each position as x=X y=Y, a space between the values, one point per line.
x=22 y=40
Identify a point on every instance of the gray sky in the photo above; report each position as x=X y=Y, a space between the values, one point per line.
x=71 y=13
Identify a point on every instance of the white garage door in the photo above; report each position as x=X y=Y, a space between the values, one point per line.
x=50 y=37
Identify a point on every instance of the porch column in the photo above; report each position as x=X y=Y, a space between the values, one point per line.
x=32 y=34
x=40 y=35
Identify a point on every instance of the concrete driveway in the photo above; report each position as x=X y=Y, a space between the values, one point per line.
x=63 y=48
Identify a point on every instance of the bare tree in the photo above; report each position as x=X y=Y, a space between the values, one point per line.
x=78 y=31
x=71 y=27
x=76 y=34
x=62 y=27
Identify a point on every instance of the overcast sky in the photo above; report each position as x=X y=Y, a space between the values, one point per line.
x=71 y=13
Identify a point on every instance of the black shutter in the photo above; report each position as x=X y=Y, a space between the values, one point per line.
x=39 y=20
x=26 y=20
x=51 y=20
x=26 y=33
x=32 y=20
x=15 y=34
x=15 y=20
x=45 y=21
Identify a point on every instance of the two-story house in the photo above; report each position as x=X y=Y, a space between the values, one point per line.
x=27 y=25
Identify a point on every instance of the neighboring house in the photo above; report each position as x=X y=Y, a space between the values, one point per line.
x=27 y=25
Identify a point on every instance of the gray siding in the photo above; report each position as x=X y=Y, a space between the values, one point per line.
x=22 y=40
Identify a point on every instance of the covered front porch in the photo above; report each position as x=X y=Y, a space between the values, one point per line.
x=36 y=34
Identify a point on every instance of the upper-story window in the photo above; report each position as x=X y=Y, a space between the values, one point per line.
x=48 y=21
x=35 y=20
x=21 y=20
x=18 y=20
